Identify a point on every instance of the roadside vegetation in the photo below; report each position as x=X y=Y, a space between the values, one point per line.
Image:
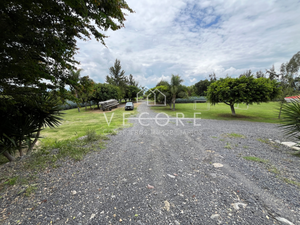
x=79 y=134
x=264 y=112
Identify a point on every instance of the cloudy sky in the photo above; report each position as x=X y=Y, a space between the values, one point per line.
x=194 y=38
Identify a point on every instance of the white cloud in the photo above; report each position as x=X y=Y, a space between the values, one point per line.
x=196 y=38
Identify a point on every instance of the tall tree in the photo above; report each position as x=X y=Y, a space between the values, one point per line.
x=117 y=75
x=202 y=86
x=176 y=89
x=38 y=39
x=212 y=77
x=131 y=81
x=272 y=73
x=259 y=74
x=242 y=90
x=86 y=93
x=247 y=73
x=75 y=86
x=293 y=65
x=103 y=92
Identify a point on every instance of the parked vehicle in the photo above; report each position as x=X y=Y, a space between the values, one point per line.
x=129 y=106
x=109 y=104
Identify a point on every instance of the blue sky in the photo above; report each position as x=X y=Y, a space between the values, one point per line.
x=195 y=38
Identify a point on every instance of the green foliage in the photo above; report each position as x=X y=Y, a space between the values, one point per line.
x=264 y=112
x=255 y=159
x=202 y=86
x=117 y=75
x=228 y=146
x=39 y=48
x=73 y=128
x=235 y=135
x=289 y=181
x=294 y=63
x=103 y=92
x=128 y=87
x=291 y=118
x=91 y=135
x=242 y=90
x=266 y=141
x=30 y=189
x=12 y=181
x=23 y=121
x=131 y=92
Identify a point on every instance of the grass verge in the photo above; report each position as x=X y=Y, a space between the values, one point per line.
x=264 y=112
x=92 y=126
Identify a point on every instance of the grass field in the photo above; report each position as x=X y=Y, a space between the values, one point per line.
x=76 y=124
x=264 y=112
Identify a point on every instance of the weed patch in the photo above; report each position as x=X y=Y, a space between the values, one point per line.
x=255 y=159
x=289 y=181
x=234 y=135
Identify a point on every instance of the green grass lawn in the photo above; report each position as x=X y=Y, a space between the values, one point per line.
x=75 y=124
x=264 y=112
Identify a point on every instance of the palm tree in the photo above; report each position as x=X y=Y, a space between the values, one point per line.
x=74 y=83
x=23 y=121
x=176 y=89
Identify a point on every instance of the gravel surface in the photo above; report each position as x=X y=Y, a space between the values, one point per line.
x=169 y=175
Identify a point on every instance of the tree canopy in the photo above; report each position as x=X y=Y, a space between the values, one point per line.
x=202 y=86
x=38 y=39
x=242 y=90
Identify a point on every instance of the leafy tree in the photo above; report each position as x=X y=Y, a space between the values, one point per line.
x=131 y=81
x=191 y=90
x=131 y=91
x=176 y=89
x=86 y=92
x=171 y=90
x=117 y=75
x=288 y=84
x=166 y=91
x=293 y=65
x=103 y=92
x=75 y=86
x=259 y=74
x=248 y=73
x=212 y=77
x=162 y=83
x=38 y=39
x=242 y=90
x=272 y=73
x=202 y=86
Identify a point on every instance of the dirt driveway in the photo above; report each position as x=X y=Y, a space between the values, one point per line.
x=177 y=173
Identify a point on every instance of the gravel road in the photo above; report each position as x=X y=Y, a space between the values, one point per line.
x=172 y=174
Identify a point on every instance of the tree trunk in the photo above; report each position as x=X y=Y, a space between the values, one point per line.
x=78 y=108
x=85 y=106
x=232 y=109
x=280 y=110
x=8 y=156
x=20 y=148
x=170 y=105
x=173 y=101
x=34 y=142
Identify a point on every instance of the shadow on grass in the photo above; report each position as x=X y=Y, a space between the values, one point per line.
x=237 y=116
